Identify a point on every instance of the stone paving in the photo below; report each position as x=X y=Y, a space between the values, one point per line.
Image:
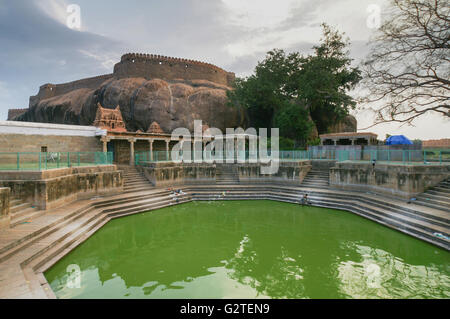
x=27 y=250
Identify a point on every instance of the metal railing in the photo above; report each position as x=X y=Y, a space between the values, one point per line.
x=394 y=156
x=37 y=161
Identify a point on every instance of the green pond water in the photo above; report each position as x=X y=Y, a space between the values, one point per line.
x=250 y=249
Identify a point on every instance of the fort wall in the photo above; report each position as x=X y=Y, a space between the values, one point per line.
x=12 y=113
x=49 y=90
x=167 y=68
x=148 y=66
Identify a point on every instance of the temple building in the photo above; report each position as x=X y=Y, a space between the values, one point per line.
x=349 y=138
x=154 y=128
x=109 y=119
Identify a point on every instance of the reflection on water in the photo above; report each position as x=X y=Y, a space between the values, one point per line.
x=380 y=274
x=252 y=249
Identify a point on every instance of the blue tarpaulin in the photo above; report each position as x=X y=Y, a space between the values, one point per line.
x=398 y=140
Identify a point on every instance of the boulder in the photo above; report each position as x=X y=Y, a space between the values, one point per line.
x=171 y=104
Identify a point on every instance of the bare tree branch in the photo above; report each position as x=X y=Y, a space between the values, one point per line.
x=408 y=68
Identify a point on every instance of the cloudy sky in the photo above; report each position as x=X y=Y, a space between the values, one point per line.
x=37 y=46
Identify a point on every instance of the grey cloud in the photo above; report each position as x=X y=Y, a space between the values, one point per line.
x=303 y=14
x=36 y=49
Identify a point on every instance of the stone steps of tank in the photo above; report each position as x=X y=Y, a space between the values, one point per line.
x=137 y=189
x=438 y=197
x=135 y=181
x=137 y=185
x=434 y=197
x=132 y=178
x=91 y=222
x=315 y=182
x=226 y=174
x=298 y=193
x=85 y=218
x=318 y=174
x=441 y=190
x=24 y=215
x=425 y=229
x=416 y=223
x=228 y=178
x=443 y=185
x=49 y=255
x=437 y=200
x=131 y=203
x=131 y=175
x=438 y=193
x=316 y=178
x=225 y=183
x=413 y=230
x=137 y=175
x=18 y=206
x=433 y=205
x=426 y=225
x=15 y=202
x=22 y=212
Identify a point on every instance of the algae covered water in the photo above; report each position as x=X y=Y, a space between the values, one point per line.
x=250 y=249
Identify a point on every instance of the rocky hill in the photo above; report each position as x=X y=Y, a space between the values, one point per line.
x=148 y=88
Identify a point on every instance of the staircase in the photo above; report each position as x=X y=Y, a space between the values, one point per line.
x=22 y=212
x=421 y=224
x=437 y=197
x=317 y=178
x=133 y=181
x=48 y=243
x=226 y=174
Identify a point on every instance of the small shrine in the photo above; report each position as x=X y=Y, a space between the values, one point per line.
x=109 y=119
x=154 y=128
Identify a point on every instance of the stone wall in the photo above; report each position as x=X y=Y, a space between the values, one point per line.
x=4 y=207
x=288 y=173
x=54 y=143
x=168 y=174
x=397 y=180
x=52 y=188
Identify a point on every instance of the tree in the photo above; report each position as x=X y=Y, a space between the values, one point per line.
x=290 y=90
x=408 y=69
x=325 y=79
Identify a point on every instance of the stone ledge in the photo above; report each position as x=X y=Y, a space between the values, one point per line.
x=53 y=173
x=391 y=179
x=64 y=185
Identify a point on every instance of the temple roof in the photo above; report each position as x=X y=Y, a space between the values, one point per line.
x=155 y=128
x=109 y=119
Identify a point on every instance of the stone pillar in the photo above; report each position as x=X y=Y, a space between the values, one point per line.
x=105 y=141
x=167 y=149
x=132 y=140
x=151 y=149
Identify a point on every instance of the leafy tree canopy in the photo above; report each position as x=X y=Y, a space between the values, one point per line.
x=293 y=92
